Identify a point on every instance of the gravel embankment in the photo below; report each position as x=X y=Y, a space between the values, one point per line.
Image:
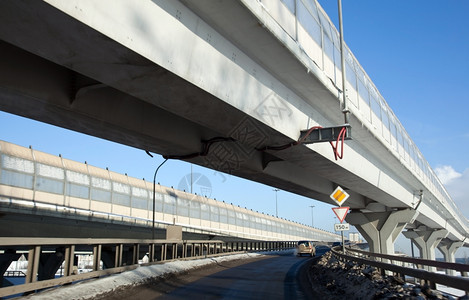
x=334 y=279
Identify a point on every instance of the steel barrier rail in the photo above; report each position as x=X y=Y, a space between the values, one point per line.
x=462 y=268
x=169 y=250
x=461 y=283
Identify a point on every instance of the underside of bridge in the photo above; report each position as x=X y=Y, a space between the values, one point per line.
x=59 y=71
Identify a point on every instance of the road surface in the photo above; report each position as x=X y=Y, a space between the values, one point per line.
x=269 y=277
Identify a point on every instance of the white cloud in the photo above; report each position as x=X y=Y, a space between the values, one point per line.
x=447 y=174
x=457 y=185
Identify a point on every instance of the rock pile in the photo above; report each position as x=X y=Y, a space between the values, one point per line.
x=334 y=279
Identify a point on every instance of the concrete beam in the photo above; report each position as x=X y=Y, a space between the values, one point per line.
x=366 y=229
x=380 y=229
x=426 y=242
x=449 y=248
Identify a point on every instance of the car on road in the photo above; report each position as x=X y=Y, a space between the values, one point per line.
x=305 y=247
x=322 y=249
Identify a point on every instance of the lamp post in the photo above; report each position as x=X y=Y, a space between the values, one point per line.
x=276 y=203
x=342 y=62
x=154 y=192
x=154 y=187
x=312 y=215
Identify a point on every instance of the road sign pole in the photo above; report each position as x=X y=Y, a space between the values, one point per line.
x=339 y=195
x=343 y=245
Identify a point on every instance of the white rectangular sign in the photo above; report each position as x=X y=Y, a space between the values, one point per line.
x=342 y=227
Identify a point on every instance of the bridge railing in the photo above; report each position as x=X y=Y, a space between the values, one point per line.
x=306 y=22
x=109 y=256
x=423 y=268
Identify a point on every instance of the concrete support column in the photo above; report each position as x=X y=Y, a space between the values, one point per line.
x=380 y=229
x=49 y=263
x=427 y=241
x=6 y=259
x=449 y=248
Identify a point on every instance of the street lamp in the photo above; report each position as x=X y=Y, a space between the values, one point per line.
x=276 y=206
x=154 y=187
x=342 y=63
x=154 y=192
x=312 y=215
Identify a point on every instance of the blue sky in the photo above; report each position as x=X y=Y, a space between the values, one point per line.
x=416 y=53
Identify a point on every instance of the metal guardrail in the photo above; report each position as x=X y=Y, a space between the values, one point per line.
x=15 y=274
x=126 y=254
x=431 y=278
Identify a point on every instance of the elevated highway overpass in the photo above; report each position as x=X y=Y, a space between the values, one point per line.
x=224 y=84
x=42 y=195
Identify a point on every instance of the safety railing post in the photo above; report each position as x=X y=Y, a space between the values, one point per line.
x=163 y=251
x=151 y=252
x=97 y=257
x=118 y=256
x=135 y=253
x=69 y=260
x=34 y=255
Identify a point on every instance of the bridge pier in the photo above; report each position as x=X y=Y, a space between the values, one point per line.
x=120 y=255
x=449 y=248
x=6 y=259
x=426 y=241
x=380 y=229
x=49 y=263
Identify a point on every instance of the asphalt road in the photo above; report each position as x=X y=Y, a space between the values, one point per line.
x=269 y=277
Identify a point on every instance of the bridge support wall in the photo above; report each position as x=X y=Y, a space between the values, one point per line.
x=380 y=229
x=426 y=241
